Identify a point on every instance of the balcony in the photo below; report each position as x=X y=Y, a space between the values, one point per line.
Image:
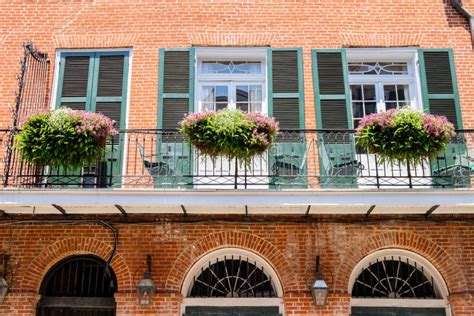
x=306 y=172
x=300 y=159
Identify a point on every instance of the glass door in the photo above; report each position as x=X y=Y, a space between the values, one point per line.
x=215 y=96
x=370 y=98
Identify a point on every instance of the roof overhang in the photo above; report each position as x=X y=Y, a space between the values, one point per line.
x=247 y=202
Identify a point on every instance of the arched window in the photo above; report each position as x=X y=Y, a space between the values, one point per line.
x=78 y=285
x=397 y=282
x=232 y=281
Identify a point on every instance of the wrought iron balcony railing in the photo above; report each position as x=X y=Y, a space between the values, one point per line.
x=300 y=159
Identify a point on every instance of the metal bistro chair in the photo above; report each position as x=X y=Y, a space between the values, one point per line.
x=154 y=168
x=338 y=167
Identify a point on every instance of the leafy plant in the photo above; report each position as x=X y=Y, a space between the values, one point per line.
x=404 y=135
x=229 y=133
x=64 y=138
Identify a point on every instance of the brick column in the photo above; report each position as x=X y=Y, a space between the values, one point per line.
x=462 y=304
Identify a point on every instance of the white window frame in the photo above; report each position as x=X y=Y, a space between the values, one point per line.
x=234 y=54
x=412 y=79
x=429 y=270
x=203 y=262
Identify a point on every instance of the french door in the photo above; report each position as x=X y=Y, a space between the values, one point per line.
x=370 y=98
x=247 y=96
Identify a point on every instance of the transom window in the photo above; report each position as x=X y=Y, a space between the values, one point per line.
x=231 y=67
x=378 y=68
x=233 y=277
x=394 y=278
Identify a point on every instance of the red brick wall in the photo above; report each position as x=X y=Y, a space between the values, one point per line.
x=290 y=248
x=146 y=27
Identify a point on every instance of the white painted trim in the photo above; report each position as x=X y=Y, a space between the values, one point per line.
x=429 y=270
x=195 y=270
x=218 y=302
x=382 y=302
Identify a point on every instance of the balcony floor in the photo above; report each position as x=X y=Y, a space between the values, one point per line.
x=245 y=202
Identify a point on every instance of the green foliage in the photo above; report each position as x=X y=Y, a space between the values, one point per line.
x=56 y=139
x=404 y=135
x=229 y=133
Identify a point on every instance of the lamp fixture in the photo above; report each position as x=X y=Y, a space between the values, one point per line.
x=146 y=287
x=3 y=272
x=319 y=288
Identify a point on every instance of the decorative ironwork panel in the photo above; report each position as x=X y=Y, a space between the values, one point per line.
x=80 y=276
x=31 y=98
x=232 y=277
x=394 y=278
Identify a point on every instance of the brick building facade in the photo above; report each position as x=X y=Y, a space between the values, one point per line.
x=287 y=240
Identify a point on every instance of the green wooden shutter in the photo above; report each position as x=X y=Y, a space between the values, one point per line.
x=438 y=79
x=96 y=82
x=441 y=97
x=286 y=104
x=333 y=112
x=175 y=98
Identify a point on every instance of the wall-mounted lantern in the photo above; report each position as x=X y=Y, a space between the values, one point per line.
x=319 y=288
x=146 y=287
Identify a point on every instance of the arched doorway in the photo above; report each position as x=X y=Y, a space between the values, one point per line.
x=396 y=282
x=232 y=282
x=78 y=286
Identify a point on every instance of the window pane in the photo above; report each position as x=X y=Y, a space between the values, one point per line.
x=208 y=93
x=356 y=92
x=370 y=108
x=256 y=107
x=390 y=93
x=222 y=94
x=242 y=93
x=369 y=92
x=390 y=105
x=402 y=91
x=255 y=93
x=357 y=109
x=244 y=106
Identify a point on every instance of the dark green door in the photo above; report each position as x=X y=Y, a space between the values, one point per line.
x=232 y=311
x=397 y=311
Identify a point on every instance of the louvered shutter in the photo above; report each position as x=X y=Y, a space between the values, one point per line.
x=333 y=112
x=440 y=92
x=286 y=100
x=175 y=98
x=176 y=95
x=441 y=97
x=286 y=105
x=74 y=86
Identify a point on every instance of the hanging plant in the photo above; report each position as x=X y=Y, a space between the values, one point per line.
x=64 y=138
x=229 y=133
x=404 y=135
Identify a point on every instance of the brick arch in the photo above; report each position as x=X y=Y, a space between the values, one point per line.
x=231 y=239
x=439 y=258
x=64 y=248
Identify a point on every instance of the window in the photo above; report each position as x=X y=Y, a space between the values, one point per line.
x=397 y=282
x=232 y=281
x=382 y=79
x=231 y=78
x=89 y=289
